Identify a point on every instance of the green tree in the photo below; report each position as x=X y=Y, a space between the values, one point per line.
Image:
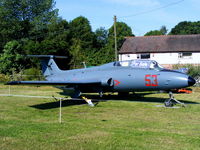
x=11 y=60
x=186 y=27
x=77 y=54
x=80 y=29
x=162 y=31
x=57 y=41
x=44 y=14
x=153 y=32
x=83 y=41
x=123 y=30
x=24 y=19
x=101 y=37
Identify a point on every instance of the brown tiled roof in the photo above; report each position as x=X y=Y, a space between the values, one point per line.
x=161 y=44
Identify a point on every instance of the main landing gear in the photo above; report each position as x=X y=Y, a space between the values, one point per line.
x=172 y=101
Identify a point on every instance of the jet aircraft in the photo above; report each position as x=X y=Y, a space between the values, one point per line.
x=119 y=76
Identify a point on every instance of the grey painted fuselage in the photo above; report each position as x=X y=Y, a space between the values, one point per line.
x=123 y=79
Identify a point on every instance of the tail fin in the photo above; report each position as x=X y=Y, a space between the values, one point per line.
x=49 y=67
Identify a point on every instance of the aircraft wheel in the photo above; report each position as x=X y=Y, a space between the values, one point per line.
x=168 y=103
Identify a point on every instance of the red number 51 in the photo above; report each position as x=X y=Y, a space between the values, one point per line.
x=151 y=80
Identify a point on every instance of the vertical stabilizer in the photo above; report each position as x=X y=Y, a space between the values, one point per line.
x=49 y=67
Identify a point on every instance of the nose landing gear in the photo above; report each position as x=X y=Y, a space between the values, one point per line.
x=172 y=101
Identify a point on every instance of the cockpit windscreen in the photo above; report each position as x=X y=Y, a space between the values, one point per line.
x=148 y=64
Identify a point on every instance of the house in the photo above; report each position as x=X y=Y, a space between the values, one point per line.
x=166 y=50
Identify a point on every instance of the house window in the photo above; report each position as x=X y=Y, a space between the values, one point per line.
x=145 y=56
x=185 y=55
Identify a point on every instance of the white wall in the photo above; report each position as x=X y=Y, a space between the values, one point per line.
x=127 y=57
x=166 y=58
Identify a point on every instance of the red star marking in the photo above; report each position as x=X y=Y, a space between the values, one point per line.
x=117 y=82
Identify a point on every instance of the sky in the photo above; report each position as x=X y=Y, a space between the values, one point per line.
x=141 y=15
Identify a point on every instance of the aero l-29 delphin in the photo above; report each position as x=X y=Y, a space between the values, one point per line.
x=118 y=76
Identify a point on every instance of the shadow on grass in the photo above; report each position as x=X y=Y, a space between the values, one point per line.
x=137 y=98
x=96 y=98
x=65 y=103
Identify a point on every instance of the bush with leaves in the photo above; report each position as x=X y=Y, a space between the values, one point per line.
x=32 y=74
x=4 y=78
x=11 y=59
x=193 y=70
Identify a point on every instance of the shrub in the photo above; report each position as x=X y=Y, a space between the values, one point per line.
x=193 y=70
x=4 y=78
x=32 y=74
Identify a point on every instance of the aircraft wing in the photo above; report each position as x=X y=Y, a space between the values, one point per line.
x=89 y=82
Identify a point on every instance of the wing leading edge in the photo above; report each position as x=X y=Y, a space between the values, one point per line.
x=54 y=83
x=81 y=82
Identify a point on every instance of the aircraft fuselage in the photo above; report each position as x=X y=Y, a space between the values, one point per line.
x=126 y=79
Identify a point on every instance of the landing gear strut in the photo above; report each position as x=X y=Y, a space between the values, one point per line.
x=101 y=94
x=172 y=101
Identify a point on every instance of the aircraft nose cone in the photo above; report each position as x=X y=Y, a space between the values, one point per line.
x=191 y=81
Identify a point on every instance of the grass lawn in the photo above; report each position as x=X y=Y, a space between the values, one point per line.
x=135 y=124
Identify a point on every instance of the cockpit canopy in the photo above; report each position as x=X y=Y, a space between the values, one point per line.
x=139 y=63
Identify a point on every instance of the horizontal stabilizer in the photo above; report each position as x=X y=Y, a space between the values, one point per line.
x=47 y=56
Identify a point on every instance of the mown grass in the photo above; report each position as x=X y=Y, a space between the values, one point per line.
x=32 y=123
